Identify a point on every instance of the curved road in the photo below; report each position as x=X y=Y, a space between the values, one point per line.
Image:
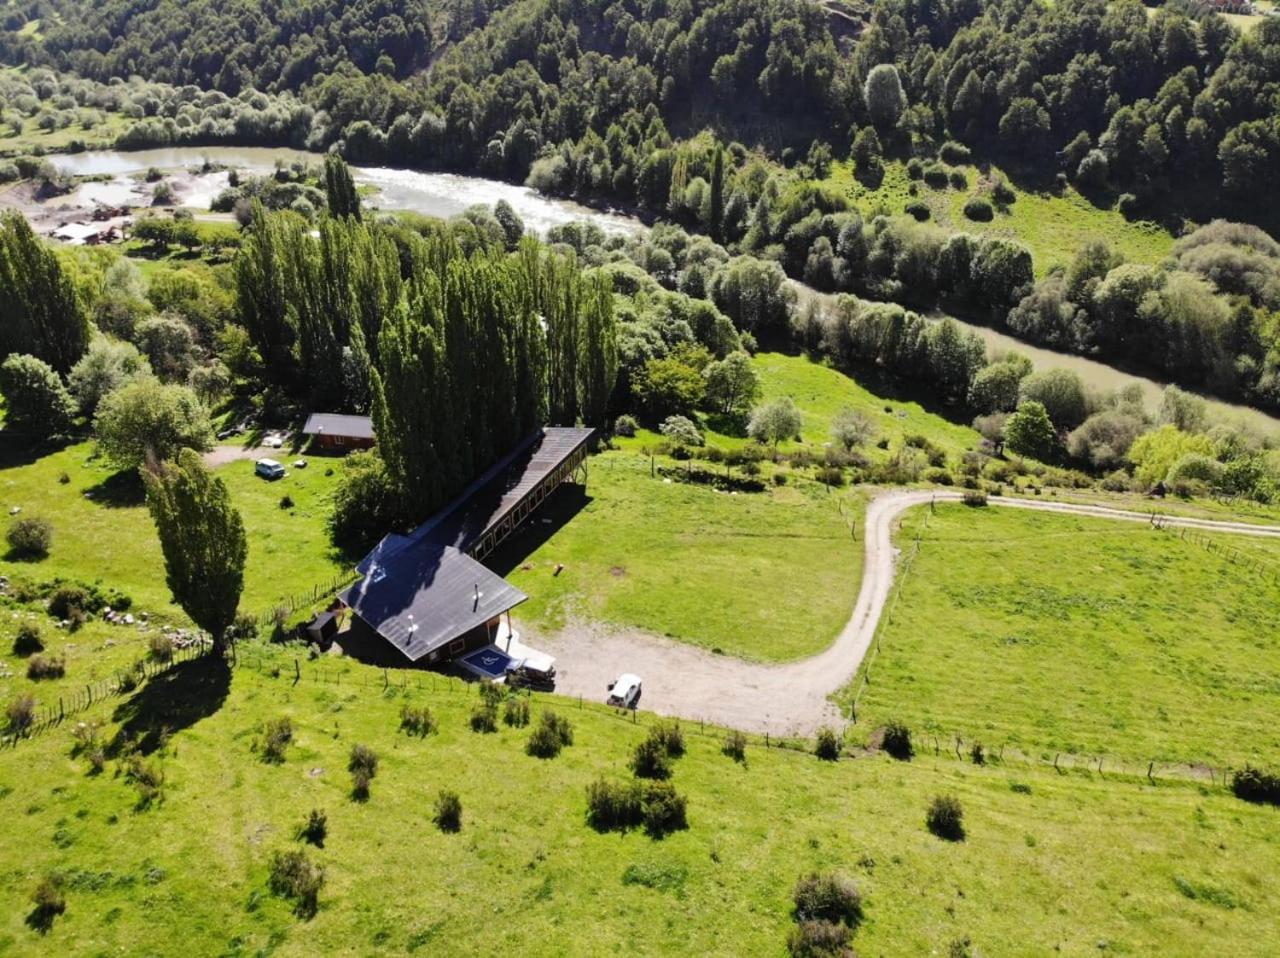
x=790 y=699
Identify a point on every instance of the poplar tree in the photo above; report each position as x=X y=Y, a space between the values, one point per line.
x=40 y=313
x=717 y=193
x=202 y=538
x=340 y=189
x=598 y=352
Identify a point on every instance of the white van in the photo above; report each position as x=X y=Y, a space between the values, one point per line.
x=269 y=469
x=624 y=691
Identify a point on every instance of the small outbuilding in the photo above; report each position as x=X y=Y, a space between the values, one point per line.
x=338 y=431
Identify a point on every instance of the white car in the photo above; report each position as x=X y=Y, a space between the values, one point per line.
x=273 y=440
x=624 y=691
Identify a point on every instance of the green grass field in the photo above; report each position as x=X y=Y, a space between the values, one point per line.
x=109 y=539
x=768 y=575
x=1070 y=864
x=1052 y=226
x=1061 y=634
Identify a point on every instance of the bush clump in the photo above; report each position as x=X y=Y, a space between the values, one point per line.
x=276 y=736
x=897 y=741
x=552 y=734
x=87 y=743
x=819 y=939
x=147 y=778
x=296 y=877
x=515 y=711
x=315 y=829
x=41 y=667
x=828 y=744
x=735 y=746
x=625 y=426
x=945 y=818
x=918 y=210
x=1256 y=785
x=30 y=538
x=619 y=806
x=27 y=640
x=980 y=210
x=448 y=813
x=20 y=714
x=650 y=760
x=954 y=153
x=160 y=648
x=49 y=902
x=484 y=718
x=417 y=720
x=363 y=766
x=830 y=896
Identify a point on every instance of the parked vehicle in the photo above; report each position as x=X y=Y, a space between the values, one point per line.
x=624 y=691
x=269 y=469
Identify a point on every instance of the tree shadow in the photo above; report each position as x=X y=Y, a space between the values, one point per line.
x=40 y=918
x=120 y=490
x=171 y=702
x=553 y=515
x=18 y=450
x=727 y=424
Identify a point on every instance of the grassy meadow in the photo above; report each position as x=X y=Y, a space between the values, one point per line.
x=1069 y=864
x=1053 y=226
x=1062 y=634
x=103 y=534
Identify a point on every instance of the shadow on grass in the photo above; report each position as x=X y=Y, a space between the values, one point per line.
x=171 y=702
x=120 y=490
x=18 y=449
x=554 y=514
x=41 y=918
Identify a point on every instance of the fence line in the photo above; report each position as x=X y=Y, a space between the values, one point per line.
x=73 y=702
x=1223 y=551
x=290 y=604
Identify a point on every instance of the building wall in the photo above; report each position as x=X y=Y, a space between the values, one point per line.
x=334 y=443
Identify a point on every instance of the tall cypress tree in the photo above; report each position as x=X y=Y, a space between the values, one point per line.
x=202 y=538
x=40 y=313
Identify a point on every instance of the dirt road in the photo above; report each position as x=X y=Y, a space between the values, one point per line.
x=791 y=699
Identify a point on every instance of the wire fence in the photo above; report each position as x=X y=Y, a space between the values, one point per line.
x=288 y=605
x=44 y=717
x=1268 y=570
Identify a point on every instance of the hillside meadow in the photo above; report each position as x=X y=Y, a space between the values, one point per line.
x=1051 y=633
x=1071 y=864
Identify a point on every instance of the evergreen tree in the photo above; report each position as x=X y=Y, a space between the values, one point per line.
x=202 y=538
x=40 y=313
x=36 y=401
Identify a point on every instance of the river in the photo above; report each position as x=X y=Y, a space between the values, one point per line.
x=448 y=194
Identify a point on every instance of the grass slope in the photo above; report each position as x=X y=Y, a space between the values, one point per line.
x=109 y=538
x=769 y=575
x=1052 y=226
x=1075 y=865
x=1055 y=633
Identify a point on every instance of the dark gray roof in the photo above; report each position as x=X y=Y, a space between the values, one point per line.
x=486 y=501
x=427 y=594
x=339 y=424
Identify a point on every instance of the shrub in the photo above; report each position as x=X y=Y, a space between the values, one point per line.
x=974 y=497
x=935 y=174
x=363 y=766
x=276 y=736
x=492 y=694
x=1256 y=785
x=147 y=778
x=27 y=641
x=484 y=718
x=954 y=153
x=830 y=476
x=160 y=647
x=87 y=744
x=828 y=744
x=819 y=939
x=552 y=734
x=286 y=502
x=945 y=818
x=958 y=180
x=20 y=714
x=670 y=736
x=1003 y=193
x=915 y=169
x=979 y=209
x=417 y=721
x=650 y=760
x=296 y=877
x=613 y=806
x=625 y=426
x=918 y=210
x=831 y=897
x=978 y=754
x=49 y=902
x=515 y=711
x=448 y=814
x=1129 y=206
x=315 y=829
x=897 y=741
x=735 y=746
x=664 y=809
x=46 y=667
x=30 y=538
x=68 y=601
